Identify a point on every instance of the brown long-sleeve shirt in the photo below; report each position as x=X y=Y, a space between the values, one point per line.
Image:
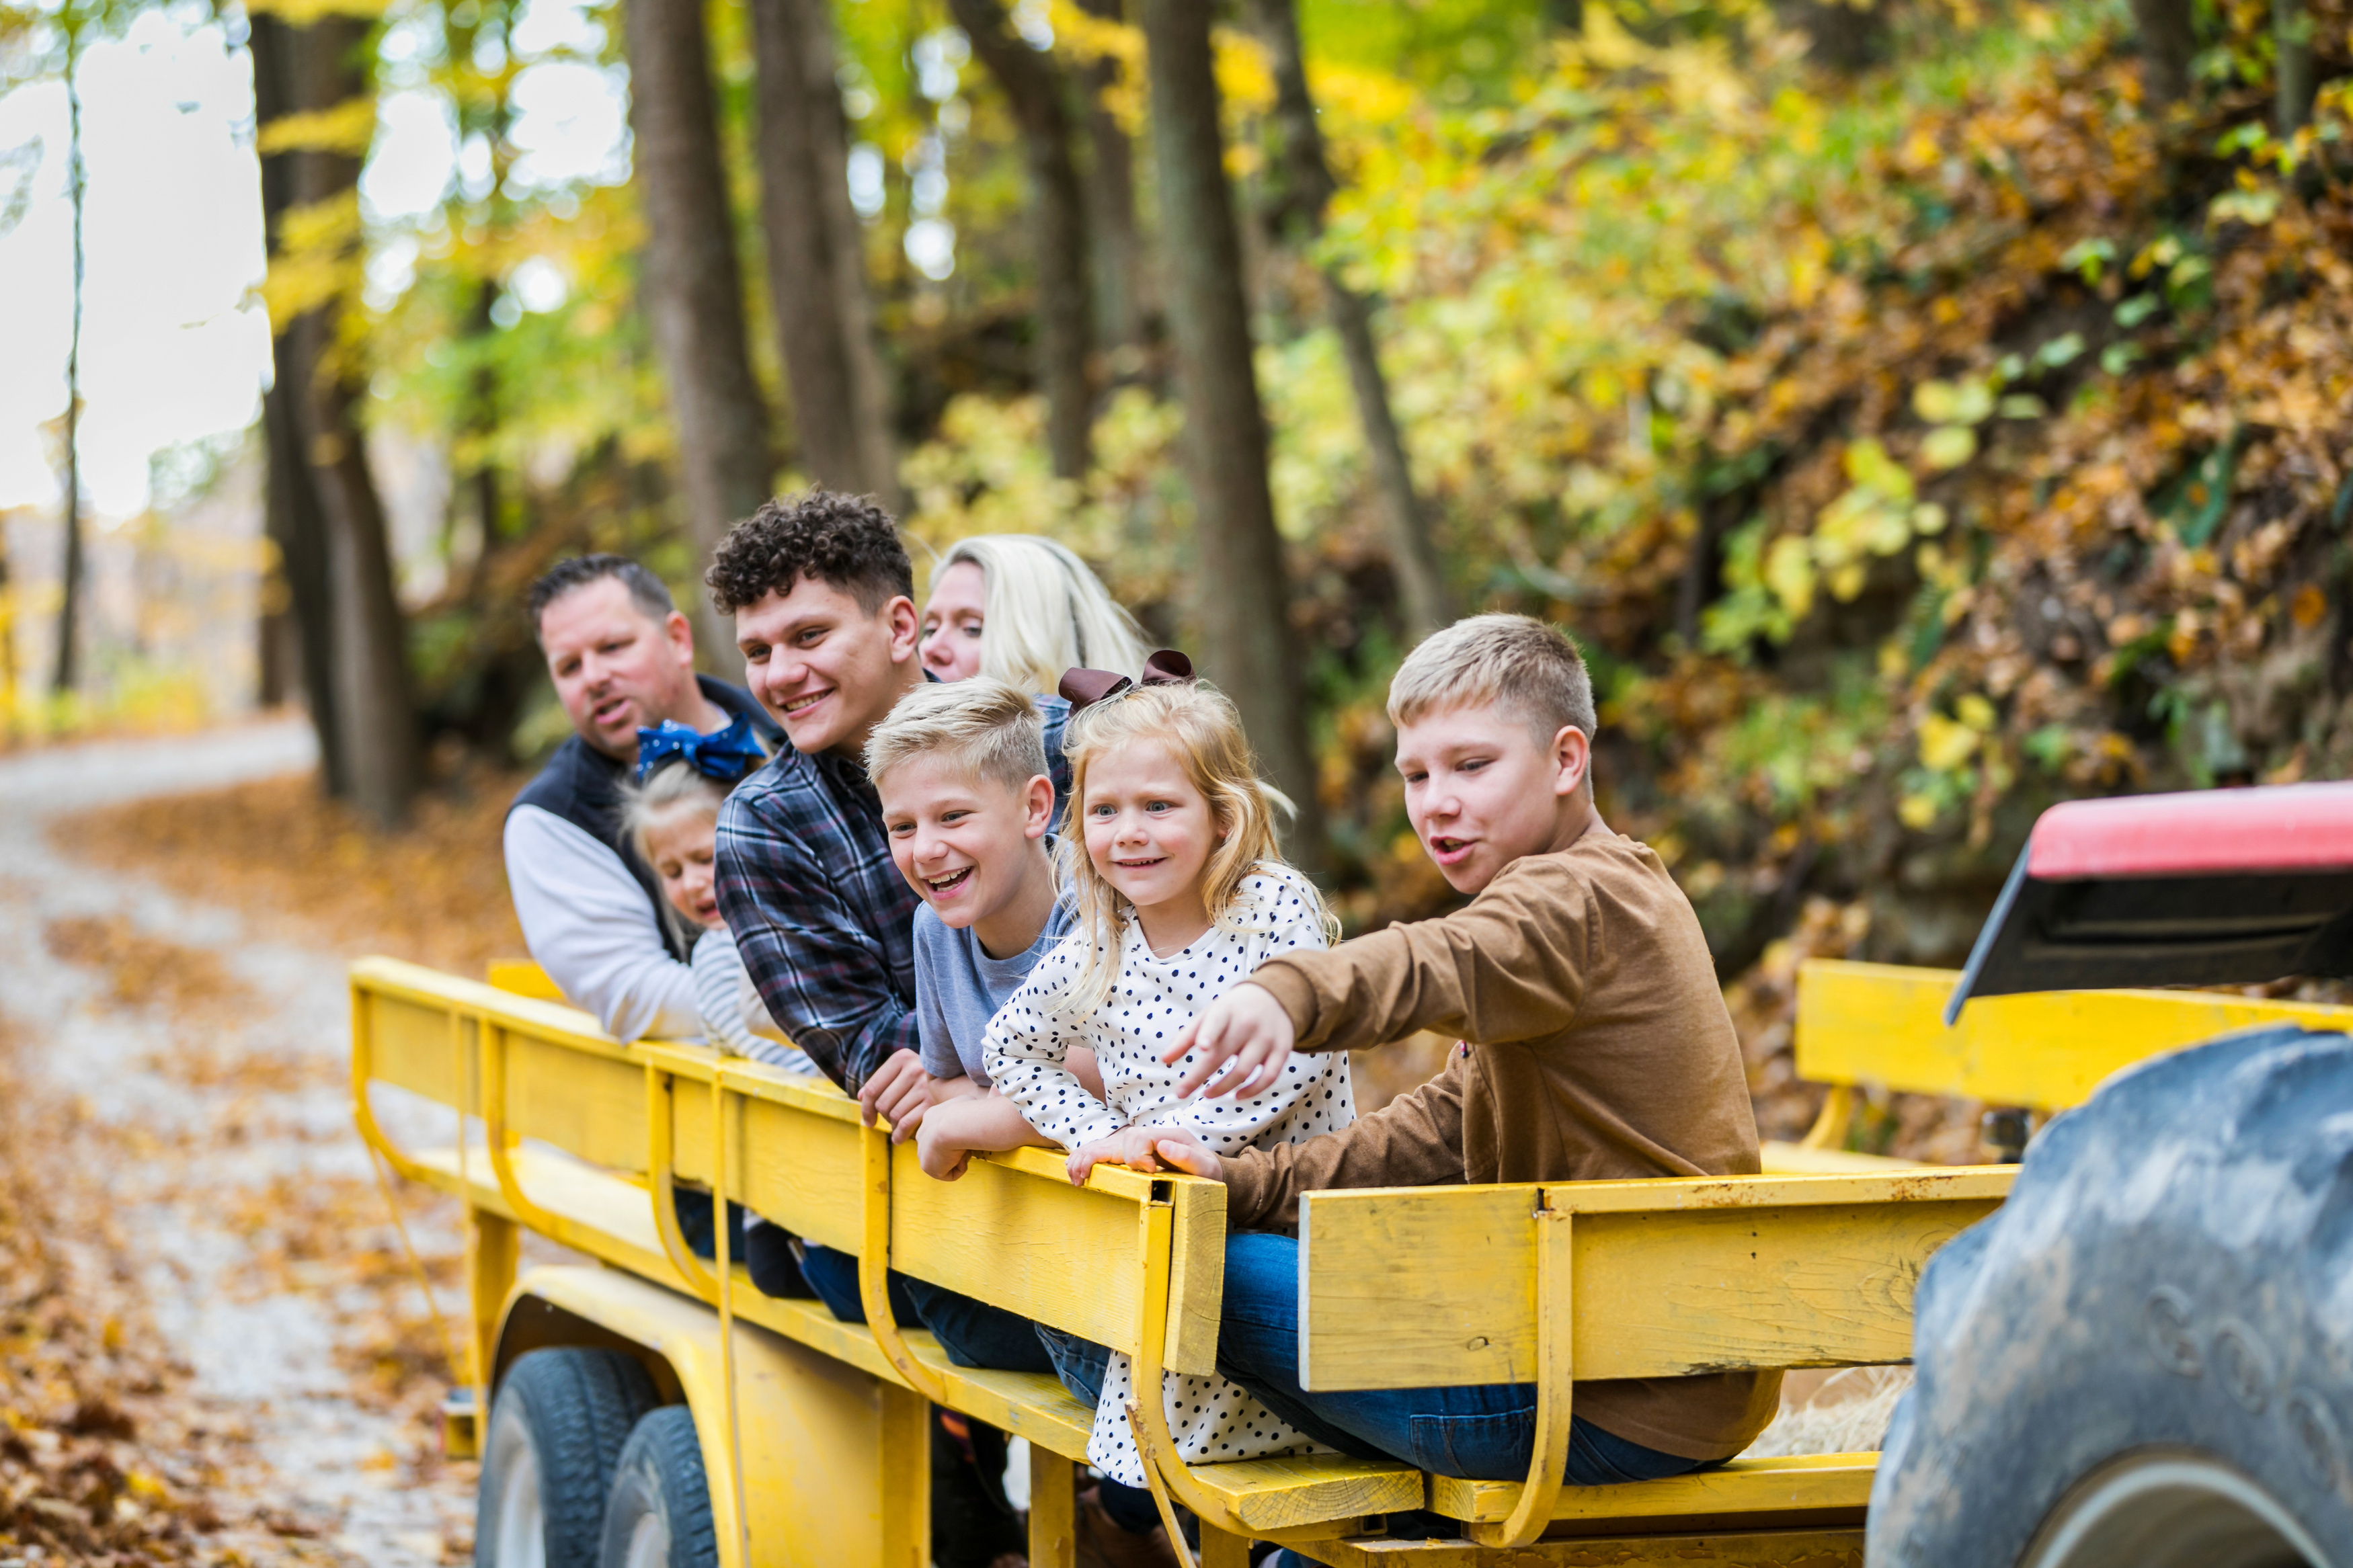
x=1599 y=1050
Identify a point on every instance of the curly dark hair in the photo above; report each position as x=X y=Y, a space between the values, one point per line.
x=846 y=540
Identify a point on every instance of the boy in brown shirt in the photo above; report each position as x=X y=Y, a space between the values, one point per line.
x=1595 y=1048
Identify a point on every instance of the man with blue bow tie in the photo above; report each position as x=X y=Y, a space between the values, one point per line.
x=622 y=659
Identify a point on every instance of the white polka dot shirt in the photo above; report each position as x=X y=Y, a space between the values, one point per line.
x=1274 y=911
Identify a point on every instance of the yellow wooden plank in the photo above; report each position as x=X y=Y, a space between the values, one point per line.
x=393 y=977
x=1417 y=1287
x=1828 y=1548
x=1798 y=1483
x=590 y=1104
x=410 y=1048
x=1196 y=1274
x=1309 y=1488
x=1061 y=1255
x=521 y=977
x=1781 y=1159
x=1884 y=1024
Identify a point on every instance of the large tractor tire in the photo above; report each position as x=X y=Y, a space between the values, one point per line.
x=2145 y=1358
x=659 y=1513
x=556 y=1431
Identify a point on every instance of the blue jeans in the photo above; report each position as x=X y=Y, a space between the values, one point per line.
x=1481 y=1433
x=1081 y=1364
x=973 y=1333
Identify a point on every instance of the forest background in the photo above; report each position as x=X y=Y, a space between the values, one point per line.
x=1921 y=410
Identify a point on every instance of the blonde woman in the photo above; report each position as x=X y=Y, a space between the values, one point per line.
x=1023 y=609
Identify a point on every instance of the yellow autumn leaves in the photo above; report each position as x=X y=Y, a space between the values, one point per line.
x=1878 y=515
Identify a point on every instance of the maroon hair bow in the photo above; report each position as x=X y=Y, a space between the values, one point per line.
x=1084 y=687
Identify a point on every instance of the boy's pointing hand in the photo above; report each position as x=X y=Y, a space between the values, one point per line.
x=1246 y=1027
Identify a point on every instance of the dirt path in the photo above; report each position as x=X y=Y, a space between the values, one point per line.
x=209 y=1115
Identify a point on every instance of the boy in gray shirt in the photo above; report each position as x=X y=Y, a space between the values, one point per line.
x=967 y=803
x=959 y=987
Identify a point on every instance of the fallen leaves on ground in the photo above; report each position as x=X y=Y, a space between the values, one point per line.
x=103 y=1459
x=143 y=969
x=305 y=868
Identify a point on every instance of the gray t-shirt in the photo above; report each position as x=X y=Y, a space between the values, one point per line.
x=959 y=988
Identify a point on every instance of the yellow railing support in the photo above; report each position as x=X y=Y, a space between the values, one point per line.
x=1171 y=1480
x=722 y=1266
x=1829 y=1131
x=363 y=1111
x=874 y=1269
x=1555 y=1388
x=493 y=1038
x=662 y=1182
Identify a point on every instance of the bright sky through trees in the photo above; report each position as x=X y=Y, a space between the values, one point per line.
x=176 y=347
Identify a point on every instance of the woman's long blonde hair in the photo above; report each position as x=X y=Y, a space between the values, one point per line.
x=1199 y=724
x=1044 y=611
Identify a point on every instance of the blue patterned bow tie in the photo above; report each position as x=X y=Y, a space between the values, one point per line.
x=723 y=754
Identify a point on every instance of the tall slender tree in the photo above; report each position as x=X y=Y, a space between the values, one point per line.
x=374 y=706
x=2292 y=31
x=300 y=612
x=1039 y=97
x=1243 y=604
x=70 y=22
x=2168 y=37
x=693 y=283
x=1122 y=292
x=1304 y=185
x=816 y=254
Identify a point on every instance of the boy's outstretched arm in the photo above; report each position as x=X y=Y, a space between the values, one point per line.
x=1246 y=1026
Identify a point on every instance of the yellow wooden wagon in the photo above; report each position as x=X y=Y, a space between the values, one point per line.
x=809 y=1435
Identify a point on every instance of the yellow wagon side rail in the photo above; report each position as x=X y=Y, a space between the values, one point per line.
x=1884 y=1025
x=1131 y=1262
x=1417 y=1287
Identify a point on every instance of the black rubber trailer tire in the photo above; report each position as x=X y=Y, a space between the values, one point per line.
x=556 y=1430
x=2145 y=1358
x=658 y=1514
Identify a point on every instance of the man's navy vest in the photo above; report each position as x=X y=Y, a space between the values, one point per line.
x=583 y=785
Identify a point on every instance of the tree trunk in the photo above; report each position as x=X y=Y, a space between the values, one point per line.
x=1841 y=36
x=1037 y=92
x=1243 y=605
x=816 y=254
x=1302 y=180
x=293 y=520
x=693 y=283
x=77 y=186
x=375 y=713
x=1122 y=286
x=2168 y=37
x=2292 y=37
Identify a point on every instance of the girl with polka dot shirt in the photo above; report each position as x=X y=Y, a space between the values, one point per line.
x=1180 y=894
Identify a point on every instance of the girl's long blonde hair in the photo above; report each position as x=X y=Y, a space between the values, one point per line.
x=673 y=788
x=1045 y=611
x=1199 y=724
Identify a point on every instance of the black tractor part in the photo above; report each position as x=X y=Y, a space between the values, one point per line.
x=556 y=1431
x=2145 y=1358
x=2222 y=886
x=658 y=1514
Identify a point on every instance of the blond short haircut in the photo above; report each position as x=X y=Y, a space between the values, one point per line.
x=1043 y=612
x=1517 y=663
x=985 y=727
x=1199 y=724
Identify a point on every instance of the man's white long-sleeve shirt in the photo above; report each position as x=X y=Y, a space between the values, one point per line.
x=587 y=922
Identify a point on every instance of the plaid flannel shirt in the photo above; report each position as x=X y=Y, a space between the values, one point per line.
x=824 y=920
